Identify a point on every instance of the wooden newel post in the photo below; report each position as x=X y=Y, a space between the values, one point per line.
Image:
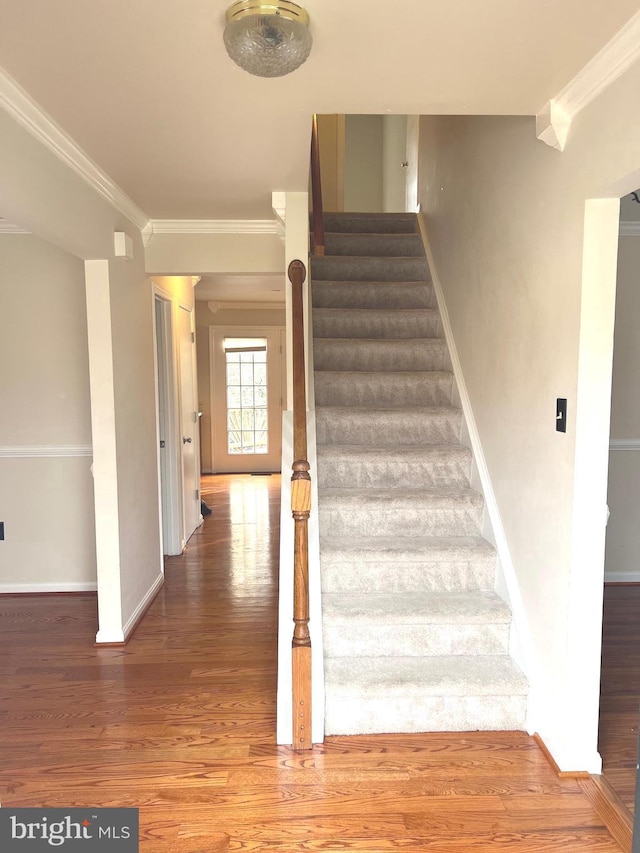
x=301 y=510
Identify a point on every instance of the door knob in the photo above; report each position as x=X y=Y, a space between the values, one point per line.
x=186 y=440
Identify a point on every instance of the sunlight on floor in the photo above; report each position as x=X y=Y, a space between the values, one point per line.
x=251 y=531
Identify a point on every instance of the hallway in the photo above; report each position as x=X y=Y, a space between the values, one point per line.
x=180 y=722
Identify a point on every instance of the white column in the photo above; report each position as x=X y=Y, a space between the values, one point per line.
x=105 y=466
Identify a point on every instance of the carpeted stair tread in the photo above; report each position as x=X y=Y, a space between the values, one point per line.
x=451 y=511
x=379 y=354
x=383 y=388
x=373 y=294
x=374 y=244
x=363 y=223
x=405 y=564
x=364 y=466
x=471 y=607
x=456 y=675
x=405 y=550
x=451 y=495
x=376 y=323
x=353 y=631
x=417 y=694
x=388 y=426
x=361 y=268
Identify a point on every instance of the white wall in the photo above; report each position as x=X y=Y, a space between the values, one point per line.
x=200 y=254
x=623 y=531
x=49 y=198
x=531 y=307
x=46 y=489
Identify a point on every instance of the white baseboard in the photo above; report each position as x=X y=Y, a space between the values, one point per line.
x=146 y=601
x=40 y=588
x=116 y=636
x=622 y=577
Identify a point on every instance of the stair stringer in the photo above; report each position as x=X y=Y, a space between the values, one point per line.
x=521 y=647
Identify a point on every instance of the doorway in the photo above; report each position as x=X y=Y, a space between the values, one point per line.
x=247 y=399
x=619 y=690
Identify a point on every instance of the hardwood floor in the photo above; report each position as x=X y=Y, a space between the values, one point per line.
x=181 y=723
x=620 y=688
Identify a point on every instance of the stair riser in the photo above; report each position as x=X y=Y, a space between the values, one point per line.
x=393 y=474
x=349 y=268
x=378 y=223
x=374 y=245
x=387 y=428
x=369 y=576
x=358 y=640
x=342 y=323
x=462 y=520
x=350 y=715
x=404 y=389
x=380 y=294
x=350 y=354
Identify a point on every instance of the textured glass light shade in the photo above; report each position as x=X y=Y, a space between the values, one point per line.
x=267 y=39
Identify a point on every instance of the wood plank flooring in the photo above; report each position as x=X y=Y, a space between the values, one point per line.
x=181 y=723
x=620 y=688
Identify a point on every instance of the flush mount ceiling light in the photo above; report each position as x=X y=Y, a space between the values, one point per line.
x=267 y=39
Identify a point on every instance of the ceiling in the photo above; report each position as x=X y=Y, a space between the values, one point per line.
x=146 y=89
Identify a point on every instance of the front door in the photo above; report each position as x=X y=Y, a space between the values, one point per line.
x=247 y=400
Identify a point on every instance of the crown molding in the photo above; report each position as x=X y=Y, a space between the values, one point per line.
x=554 y=120
x=10 y=228
x=213 y=226
x=147 y=234
x=630 y=229
x=31 y=116
x=552 y=125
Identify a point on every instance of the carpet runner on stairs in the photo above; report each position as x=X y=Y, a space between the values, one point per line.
x=415 y=637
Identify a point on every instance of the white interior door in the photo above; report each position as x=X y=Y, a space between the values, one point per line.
x=169 y=461
x=188 y=423
x=246 y=394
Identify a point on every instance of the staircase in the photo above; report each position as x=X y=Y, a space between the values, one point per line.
x=415 y=638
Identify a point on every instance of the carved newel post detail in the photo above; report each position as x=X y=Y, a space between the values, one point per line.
x=301 y=510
